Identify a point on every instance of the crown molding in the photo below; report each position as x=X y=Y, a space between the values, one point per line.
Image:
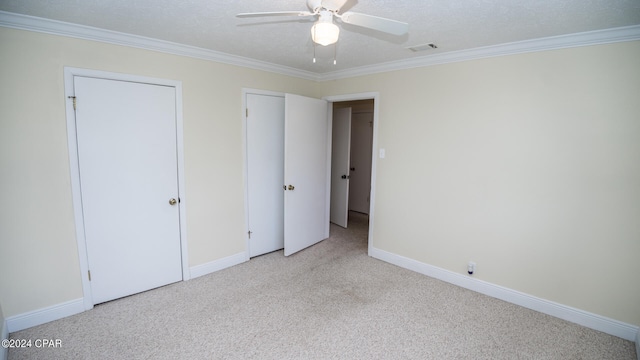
x=54 y=27
x=627 y=33
x=32 y=23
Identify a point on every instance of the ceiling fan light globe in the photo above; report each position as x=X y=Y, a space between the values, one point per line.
x=325 y=33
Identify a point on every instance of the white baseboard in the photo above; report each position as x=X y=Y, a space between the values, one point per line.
x=4 y=334
x=44 y=315
x=59 y=311
x=217 y=265
x=638 y=344
x=584 y=318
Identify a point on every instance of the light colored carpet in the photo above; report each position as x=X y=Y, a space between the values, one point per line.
x=330 y=301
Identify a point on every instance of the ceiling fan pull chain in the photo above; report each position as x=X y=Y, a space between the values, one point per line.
x=335 y=51
x=314 y=53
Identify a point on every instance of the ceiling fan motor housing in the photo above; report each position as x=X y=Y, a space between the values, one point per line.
x=314 y=5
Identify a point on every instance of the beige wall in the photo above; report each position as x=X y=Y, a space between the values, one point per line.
x=39 y=264
x=528 y=165
x=2 y=322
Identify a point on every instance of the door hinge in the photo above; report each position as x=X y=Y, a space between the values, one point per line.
x=89 y=273
x=249 y=232
x=74 y=101
x=247 y=112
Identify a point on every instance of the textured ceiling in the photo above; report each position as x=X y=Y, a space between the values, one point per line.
x=453 y=25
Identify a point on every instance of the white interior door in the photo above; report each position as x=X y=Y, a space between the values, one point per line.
x=126 y=136
x=340 y=155
x=265 y=172
x=306 y=172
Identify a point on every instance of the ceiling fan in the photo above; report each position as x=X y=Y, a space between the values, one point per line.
x=325 y=32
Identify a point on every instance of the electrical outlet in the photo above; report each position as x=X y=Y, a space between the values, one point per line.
x=471 y=267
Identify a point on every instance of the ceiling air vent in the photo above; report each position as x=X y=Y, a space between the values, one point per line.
x=423 y=47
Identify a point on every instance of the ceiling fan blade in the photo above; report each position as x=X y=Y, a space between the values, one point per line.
x=275 y=13
x=334 y=5
x=376 y=23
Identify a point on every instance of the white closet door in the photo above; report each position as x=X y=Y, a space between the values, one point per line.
x=126 y=134
x=265 y=172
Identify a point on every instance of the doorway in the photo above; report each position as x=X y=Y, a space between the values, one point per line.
x=352 y=150
x=364 y=103
x=318 y=136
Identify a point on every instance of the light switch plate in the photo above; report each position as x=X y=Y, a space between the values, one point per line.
x=382 y=153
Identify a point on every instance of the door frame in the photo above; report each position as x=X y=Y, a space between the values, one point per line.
x=375 y=96
x=69 y=93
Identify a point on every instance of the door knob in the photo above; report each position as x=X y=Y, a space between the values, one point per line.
x=172 y=201
x=291 y=187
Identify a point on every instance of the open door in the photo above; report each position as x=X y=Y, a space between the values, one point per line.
x=340 y=156
x=305 y=172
